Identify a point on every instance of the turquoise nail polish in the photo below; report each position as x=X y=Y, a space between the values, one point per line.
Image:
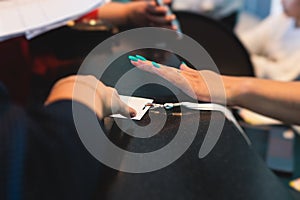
x=155 y=65
x=140 y=57
x=132 y=58
x=183 y=63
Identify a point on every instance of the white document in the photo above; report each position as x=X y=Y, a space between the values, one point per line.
x=216 y=107
x=28 y=16
x=256 y=119
x=137 y=103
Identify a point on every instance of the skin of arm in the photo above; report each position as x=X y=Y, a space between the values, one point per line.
x=280 y=100
x=92 y=93
x=137 y=13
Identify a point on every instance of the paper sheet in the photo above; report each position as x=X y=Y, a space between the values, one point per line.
x=257 y=119
x=28 y=16
x=216 y=107
x=138 y=104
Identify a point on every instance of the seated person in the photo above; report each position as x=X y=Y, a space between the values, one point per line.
x=274 y=44
x=258 y=95
x=41 y=154
x=226 y=11
x=136 y=13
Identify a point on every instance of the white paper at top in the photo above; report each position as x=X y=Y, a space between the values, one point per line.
x=136 y=103
x=21 y=16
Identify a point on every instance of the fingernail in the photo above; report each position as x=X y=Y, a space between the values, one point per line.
x=132 y=58
x=155 y=65
x=140 y=57
x=166 y=8
x=172 y=17
x=132 y=114
x=183 y=63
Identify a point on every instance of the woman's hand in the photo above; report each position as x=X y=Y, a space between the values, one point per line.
x=166 y=2
x=147 y=13
x=91 y=92
x=137 y=13
x=202 y=85
x=111 y=102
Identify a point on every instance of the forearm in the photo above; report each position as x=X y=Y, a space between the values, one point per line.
x=114 y=13
x=79 y=89
x=280 y=100
x=92 y=93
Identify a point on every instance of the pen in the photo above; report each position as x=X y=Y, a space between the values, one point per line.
x=174 y=22
x=159 y=2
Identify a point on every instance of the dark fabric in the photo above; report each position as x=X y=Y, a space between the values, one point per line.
x=41 y=154
x=11 y=141
x=12 y=153
x=230 y=20
x=56 y=154
x=41 y=157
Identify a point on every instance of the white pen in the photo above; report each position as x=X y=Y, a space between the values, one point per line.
x=174 y=22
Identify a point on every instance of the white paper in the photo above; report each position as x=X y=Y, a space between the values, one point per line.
x=136 y=103
x=216 y=107
x=28 y=16
x=256 y=119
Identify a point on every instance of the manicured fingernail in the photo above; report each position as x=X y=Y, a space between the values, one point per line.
x=183 y=63
x=140 y=57
x=132 y=114
x=132 y=58
x=172 y=17
x=165 y=8
x=155 y=65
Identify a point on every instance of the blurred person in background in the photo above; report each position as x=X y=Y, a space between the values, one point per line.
x=225 y=11
x=274 y=44
x=41 y=154
x=136 y=13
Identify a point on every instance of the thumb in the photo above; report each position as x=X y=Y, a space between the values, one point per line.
x=126 y=110
x=184 y=67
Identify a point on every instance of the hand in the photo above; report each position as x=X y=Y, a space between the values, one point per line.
x=147 y=13
x=166 y=2
x=200 y=85
x=111 y=102
x=254 y=94
x=91 y=92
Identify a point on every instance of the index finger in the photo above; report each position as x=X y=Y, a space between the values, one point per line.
x=151 y=66
x=171 y=74
x=157 y=10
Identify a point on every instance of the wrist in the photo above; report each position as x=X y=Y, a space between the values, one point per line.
x=115 y=13
x=83 y=89
x=128 y=13
x=238 y=90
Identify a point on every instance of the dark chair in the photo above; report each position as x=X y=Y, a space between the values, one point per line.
x=224 y=47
